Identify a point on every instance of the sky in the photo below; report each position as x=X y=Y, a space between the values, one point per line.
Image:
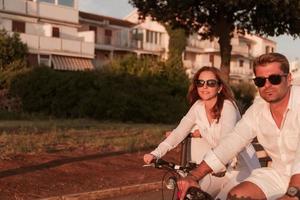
x=120 y=8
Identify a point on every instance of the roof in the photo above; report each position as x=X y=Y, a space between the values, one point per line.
x=112 y=21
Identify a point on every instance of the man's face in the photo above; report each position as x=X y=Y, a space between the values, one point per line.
x=273 y=93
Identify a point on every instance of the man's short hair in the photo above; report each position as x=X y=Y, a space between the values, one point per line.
x=270 y=58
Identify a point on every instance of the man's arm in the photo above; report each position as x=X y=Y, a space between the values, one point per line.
x=192 y=179
x=294 y=182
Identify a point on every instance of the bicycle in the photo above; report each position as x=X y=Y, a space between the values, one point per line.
x=177 y=171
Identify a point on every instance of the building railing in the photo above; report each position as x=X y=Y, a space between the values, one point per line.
x=40 y=9
x=241 y=50
x=114 y=43
x=58 y=45
x=241 y=71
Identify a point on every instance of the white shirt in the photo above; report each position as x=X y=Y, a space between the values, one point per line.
x=211 y=132
x=281 y=144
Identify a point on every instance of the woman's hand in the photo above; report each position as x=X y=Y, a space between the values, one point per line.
x=148 y=158
x=196 y=133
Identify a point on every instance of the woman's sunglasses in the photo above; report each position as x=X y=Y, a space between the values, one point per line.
x=210 y=83
x=274 y=79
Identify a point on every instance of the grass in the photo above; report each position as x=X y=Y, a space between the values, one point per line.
x=38 y=136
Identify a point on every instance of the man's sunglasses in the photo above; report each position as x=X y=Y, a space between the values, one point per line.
x=210 y=83
x=274 y=79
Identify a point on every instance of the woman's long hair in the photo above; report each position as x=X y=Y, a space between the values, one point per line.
x=225 y=93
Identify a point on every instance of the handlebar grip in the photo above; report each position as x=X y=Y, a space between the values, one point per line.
x=165 y=163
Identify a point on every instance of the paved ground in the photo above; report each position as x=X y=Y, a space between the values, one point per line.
x=40 y=176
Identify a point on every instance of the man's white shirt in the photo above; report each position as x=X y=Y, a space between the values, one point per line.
x=281 y=144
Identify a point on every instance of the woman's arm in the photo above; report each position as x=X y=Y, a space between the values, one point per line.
x=178 y=134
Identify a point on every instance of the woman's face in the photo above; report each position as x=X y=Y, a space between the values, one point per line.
x=208 y=85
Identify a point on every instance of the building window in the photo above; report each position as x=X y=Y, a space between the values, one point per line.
x=249 y=48
x=47 y=1
x=137 y=34
x=55 y=32
x=212 y=60
x=69 y=3
x=151 y=36
x=267 y=49
x=108 y=36
x=156 y=38
x=159 y=38
x=18 y=26
x=94 y=28
x=147 y=36
x=44 y=60
x=241 y=63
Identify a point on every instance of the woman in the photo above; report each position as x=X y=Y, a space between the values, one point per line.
x=213 y=113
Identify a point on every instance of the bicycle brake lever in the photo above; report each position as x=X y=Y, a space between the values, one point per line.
x=149 y=165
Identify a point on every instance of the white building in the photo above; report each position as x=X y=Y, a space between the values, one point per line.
x=113 y=37
x=295 y=70
x=50 y=30
x=200 y=53
x=60 y=36
x=153 y=37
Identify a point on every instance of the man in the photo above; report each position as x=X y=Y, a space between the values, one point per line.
x=275 y=121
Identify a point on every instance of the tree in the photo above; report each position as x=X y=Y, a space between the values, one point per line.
x=13 y=54
x=220 y=18
x=12 y=50
x=177 y=44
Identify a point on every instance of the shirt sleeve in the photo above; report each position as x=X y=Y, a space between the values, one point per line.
x=229 y=117
x=233 y=143
x=296 y=164
x=178 y=134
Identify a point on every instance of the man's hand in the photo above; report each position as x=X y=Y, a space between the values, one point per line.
x=193 y=178
x=184 y=184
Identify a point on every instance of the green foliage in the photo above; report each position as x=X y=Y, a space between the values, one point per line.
x=12 y=57
x=130 y=64
x=177 y=44
x=221 y=18
x=124 y=93
x=244 y=93
x=12 y=51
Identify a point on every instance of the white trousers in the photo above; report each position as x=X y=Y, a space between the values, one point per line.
x=217 y=187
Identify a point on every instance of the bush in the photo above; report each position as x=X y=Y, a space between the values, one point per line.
x=244 y=93
x=105 y=95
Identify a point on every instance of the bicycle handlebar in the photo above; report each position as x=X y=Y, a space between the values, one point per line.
x=163 y=164
x=193 y=193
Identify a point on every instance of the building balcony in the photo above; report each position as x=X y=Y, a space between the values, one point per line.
x=128 y=45
x=59 y=46
x=241 y=72
x=149 y=47
x=241 y=50
x=111 y=45
x=40 y=9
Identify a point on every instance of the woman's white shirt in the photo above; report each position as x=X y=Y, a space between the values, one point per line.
x=196 y=116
